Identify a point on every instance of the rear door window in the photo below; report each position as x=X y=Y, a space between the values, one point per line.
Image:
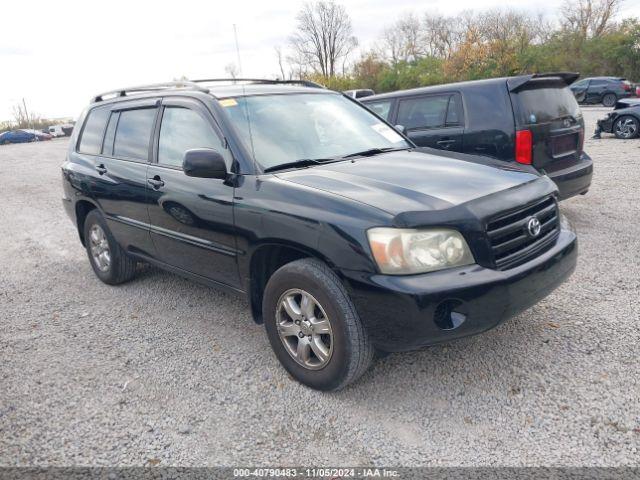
x=133 y=133
x=107 y=146
x=423 y=112
x=91 y=137
x=382 y=108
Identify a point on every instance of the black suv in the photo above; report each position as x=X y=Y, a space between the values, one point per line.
x=604 y=90
x=344 y=237
x=533 y=120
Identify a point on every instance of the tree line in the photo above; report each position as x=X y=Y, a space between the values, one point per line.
x=425 y=49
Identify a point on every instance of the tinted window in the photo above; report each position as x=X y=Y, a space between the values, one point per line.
x=134 y=133
x=107 y=146
x=423 y=112
x=91 y=140
x=581 y=84
x=382 y=108
x=543 y=105
x=454 y=112
x=181 y=130
x=598 y=83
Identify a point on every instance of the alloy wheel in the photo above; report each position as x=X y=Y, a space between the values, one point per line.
x=609 y=100
x=99 y=246
x=626 y=128
x=304 y=329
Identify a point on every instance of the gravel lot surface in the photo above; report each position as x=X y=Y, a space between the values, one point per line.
x=164 y=371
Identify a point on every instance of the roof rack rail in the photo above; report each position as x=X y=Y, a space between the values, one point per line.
x=123 y=92
x=264 y=81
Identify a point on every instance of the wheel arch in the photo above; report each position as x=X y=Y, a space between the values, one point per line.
x=268 y=257
x=82 y=209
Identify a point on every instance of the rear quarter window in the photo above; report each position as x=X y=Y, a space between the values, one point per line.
x=543 y=105
x=94 y=126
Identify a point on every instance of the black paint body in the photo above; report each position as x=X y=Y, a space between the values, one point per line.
x=486 y=125
x=213 y=230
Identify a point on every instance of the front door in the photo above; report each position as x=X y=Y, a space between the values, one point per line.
x=191 y=219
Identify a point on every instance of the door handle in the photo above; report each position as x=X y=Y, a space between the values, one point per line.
x=445 y=143
x=101 y=169
x=156 y=182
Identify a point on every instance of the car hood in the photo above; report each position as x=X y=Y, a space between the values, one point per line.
x=412 y=180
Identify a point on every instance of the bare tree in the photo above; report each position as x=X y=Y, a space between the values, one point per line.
x=22 y=117
x=324 y=36
x=403 y=40
x=232 y=70
x=280 y=61
x=589 y=18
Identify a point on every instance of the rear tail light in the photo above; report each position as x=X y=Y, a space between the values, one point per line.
x=626 y=86
x=524 y=147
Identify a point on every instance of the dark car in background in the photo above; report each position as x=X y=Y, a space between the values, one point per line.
x=531 y=120
x=342 y=235
x=623 y=121
x=17 y=136
x=604 y=90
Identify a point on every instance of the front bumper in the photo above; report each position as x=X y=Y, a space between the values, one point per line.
x=606 y=124
x=408 y=312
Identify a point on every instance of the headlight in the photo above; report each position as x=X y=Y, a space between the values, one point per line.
x=404 y=251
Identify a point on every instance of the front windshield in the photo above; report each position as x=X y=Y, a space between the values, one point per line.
x=281 y=129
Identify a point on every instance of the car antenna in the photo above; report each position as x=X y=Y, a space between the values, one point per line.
x=244 y=98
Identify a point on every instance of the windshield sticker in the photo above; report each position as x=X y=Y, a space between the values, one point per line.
x=228 y=102
x=387 y=132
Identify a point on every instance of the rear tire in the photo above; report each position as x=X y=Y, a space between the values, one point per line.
x=109 y=261
x=626 y=127
x=609 y=99
x=345 y=350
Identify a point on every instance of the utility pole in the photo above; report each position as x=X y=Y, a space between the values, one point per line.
x=235 y=36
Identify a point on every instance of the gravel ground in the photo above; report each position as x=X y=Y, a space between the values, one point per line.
x=164 y=371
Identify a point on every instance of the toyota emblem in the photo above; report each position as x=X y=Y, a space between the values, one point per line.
x=533 y=227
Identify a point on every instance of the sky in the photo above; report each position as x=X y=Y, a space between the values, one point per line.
x=57 y=55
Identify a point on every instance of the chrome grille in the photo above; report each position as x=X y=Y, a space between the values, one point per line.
x=512 y=244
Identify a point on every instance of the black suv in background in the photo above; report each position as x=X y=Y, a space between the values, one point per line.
x=533 y=120
x=604 y=90
x=343 y=237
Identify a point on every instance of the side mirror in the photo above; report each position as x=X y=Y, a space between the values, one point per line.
x=401 y=129
x=204 y=163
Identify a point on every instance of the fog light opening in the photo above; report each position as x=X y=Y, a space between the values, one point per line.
x=445 y=316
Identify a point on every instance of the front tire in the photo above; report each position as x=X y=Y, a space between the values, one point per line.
x=313 y=326
x=109 y=261
x=626 y=127
x=609 y=99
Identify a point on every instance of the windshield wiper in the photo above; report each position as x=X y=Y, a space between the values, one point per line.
x=373 y=151
x=303 y=162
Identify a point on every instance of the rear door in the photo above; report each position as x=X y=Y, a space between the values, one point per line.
x=435 y=121
x=115 y=142
x=595 y=91
x=548 y=109
x=191 y=218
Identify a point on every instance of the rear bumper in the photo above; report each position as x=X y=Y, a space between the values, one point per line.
x=409 y=312
x=574 y=179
